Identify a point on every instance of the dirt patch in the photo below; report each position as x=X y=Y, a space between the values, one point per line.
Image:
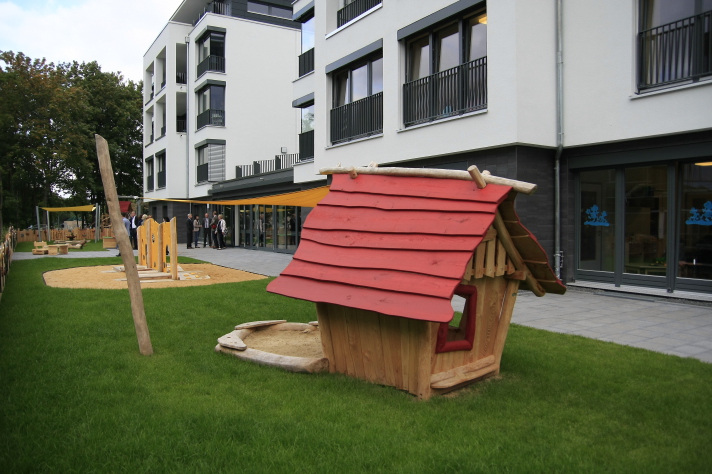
x=289 y=343
x=103 y=278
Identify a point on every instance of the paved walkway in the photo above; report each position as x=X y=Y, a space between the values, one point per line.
x=658 y=324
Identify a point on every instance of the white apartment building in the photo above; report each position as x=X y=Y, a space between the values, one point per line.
x=605 y=104
x=217 y=103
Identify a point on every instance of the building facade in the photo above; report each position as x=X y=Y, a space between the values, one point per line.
x=606 y=105
x=217 y=106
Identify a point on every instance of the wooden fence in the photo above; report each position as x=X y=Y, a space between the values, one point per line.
x=7 y=247
x=61 y=234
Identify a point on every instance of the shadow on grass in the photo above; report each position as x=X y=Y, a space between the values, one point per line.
x=75 y=395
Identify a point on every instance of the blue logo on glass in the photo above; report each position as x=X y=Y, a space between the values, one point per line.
x=701 y=216
x=594 y=218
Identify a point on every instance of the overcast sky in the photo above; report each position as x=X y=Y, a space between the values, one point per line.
x=115 y=33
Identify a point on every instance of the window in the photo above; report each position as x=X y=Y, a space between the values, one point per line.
x=161 y=171
x=306 y=137
x=211 y=53
x=674 y=42
x=358 y=100
x=202 y=165
x=306 y=59
x=210 y=163
x=149 y=174
x=211 y=106
x=273 y=10
x=446 y=69
x=352 y=9
x=462 y=336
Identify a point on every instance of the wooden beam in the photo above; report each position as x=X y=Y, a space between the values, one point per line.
x=122 y=238
x=477 y=177
x=513 y=253
x=519 y=186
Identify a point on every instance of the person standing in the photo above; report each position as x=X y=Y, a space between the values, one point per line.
x=189 y=229
x=213 y=228
x=132 y=230
x=196 y=231
x=127 y=225
x=220 y=232
x=207 y=240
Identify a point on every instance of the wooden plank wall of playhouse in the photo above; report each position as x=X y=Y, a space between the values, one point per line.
x=382 y=349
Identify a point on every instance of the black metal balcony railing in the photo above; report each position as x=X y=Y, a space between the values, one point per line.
x=181 y=78
x=451 y=92
x=280 y=162
x=180 y=126
x=306 y=145
x=354 y=9
x=163 y=131
x=161 y=180
x=149 y=182
x=357 y=119
x=214 y=7
x=202 y=173
x=211 y=63
x=675 y=52
x=306 y=62
x=211 y=117
x=163 y=84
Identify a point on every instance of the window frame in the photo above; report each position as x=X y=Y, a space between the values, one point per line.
x=348 y=71
x=462 y=21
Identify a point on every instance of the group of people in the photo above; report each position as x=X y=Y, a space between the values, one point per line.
x=214 y=230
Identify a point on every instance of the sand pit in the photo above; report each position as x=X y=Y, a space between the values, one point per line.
x=102 y=277
x=286 y=342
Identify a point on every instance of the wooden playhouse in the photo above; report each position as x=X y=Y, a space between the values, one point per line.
x=382 y=256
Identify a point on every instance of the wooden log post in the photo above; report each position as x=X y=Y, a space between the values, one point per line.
x=122 y=239
x=174 y=249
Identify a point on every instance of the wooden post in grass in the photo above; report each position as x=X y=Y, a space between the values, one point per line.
x=122 y=240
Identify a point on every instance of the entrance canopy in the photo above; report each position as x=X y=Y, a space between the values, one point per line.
x=306 y=198
x=87 y=208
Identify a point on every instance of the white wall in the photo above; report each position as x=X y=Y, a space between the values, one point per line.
x=259 y=69
x=521 y=84
x=600 y=100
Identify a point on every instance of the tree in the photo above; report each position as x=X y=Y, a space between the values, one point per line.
x=48 y=117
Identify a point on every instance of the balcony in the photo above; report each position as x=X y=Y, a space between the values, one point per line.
x=202 y=173
x=211 y=117
x=448 y=93
x=180 y=125
x=675 y=52
x=211 y=63
x=354 y=9
x=306 y=145
x=358 y=119
x=280 y=162
x=163 y=131
x=181 y=78
x=149 y=182
x=214 y=7
x=306 y=62
x=161 y=180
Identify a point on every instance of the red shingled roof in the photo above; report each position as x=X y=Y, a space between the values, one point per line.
x=394 y=245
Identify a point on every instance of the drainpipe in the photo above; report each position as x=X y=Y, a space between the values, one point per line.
x=187 y=117
x=558 y=254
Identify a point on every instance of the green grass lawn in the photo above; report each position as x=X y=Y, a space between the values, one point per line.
x=76 y=396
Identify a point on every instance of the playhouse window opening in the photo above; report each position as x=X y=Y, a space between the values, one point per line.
x=459 y=333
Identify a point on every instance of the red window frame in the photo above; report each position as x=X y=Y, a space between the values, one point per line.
x=470 y=313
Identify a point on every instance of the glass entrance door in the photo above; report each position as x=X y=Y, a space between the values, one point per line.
x=695 y=221
x=646 y=225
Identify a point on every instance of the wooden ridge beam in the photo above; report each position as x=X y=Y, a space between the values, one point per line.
x=519 y=186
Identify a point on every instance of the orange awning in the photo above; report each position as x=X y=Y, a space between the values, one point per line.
x=306 y=198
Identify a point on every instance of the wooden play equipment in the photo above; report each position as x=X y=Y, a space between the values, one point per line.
x=236 y=343
x=382 y=256
x=153 y=241
x=40 y=248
